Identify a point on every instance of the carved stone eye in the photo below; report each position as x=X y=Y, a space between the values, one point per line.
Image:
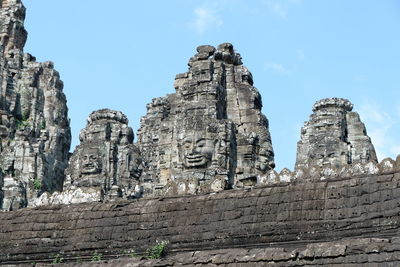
x=201 y=143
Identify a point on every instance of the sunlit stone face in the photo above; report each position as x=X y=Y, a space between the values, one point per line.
x=90 y=161
x=197 y=152
x=264 y=162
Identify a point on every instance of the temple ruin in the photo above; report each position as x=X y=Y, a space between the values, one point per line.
x=198 y=175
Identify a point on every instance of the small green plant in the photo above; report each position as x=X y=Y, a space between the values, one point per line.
x=58 y=259
x=78 y=260
x=96 y=256
x=157 y=251
x=43 y=125
x=37 y=184
x=130 y=253
x=21 y=124
x=25 y=115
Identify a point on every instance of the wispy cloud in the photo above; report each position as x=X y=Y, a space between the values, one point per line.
x=375 y=115
x=277 y=7
x=382 y=127
x=281 y=7
x=276 y=67
x=290 y=68
x=206 y=18
x=398 y=110
x=301 y=56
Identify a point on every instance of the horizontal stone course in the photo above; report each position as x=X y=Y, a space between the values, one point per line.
x=280 y=215
x=347 y=252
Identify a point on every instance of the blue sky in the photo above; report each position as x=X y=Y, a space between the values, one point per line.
x=121 y=54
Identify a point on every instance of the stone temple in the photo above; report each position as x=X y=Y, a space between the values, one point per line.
x=210 y=135
x=334 y=137
x=106 y=159
x=200 y=175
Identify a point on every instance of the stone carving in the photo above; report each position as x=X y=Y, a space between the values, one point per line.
x=208 y=136
x=106 y=159
x=90 y=166
x=334 y=137
x=34 y=125
x=264 y=157
x=196 y=151
x=211 y=128
x=90 y=161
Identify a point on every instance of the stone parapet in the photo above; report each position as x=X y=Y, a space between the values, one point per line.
x=282 y=214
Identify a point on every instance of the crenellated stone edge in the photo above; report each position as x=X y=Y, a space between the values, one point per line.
x=385 y=166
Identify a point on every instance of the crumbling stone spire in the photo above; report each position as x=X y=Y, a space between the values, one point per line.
x=12 y=32
x=106 y=159
x=334 y=137
x=34 y=126
x=209 y=135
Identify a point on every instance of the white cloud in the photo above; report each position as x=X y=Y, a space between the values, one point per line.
x=382 y=128
x=291 y=67
x=281 y=7
x=206 y=18
x=276 y=67
x=375 y=115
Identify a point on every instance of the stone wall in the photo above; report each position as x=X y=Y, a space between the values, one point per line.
x=349 y=252
x=286 y=215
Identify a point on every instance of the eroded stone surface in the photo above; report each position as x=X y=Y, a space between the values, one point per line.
x=279 y=217
x=334 y=137
x=106 y=159
x=211 y=129
x=348 y=252
x=34 y=126
x=106 y=165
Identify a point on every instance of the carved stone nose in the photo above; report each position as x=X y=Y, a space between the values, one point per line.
x=272 y=164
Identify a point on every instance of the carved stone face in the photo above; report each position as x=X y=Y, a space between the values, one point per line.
x=90 y=161
x=197 y=152
x=264 y=162
x=135 y=166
